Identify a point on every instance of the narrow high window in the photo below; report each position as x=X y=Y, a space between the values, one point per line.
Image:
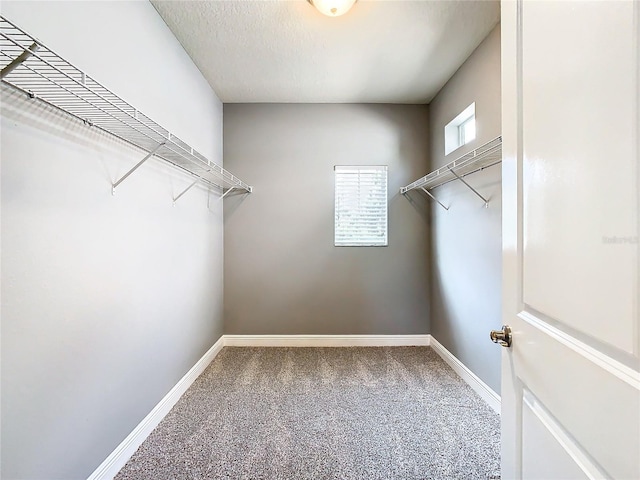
x=461 y=130
x=360 y=206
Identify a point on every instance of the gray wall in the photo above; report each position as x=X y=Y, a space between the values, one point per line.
x=282 y=273
x=466 y=283
x=107 y=301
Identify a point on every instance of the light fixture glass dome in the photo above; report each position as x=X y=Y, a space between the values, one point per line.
x=333 y=8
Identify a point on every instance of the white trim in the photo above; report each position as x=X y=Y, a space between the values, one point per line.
x=123 y=452
x=573 y=449
x=611 y=365
x=326 y=340
x=481 y=388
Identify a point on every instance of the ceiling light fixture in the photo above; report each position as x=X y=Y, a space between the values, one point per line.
x=332 y=8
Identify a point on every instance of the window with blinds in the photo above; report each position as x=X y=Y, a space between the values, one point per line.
x=361 y=206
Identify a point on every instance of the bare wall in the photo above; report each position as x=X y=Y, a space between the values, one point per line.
x=282 y=273
x=107 y=301
x=466 y=239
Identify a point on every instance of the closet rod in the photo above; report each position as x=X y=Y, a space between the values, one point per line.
x=484 y=156
x=29 y=66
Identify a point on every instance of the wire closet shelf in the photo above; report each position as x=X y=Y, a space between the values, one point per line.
x=30 y=67
x=482 y=157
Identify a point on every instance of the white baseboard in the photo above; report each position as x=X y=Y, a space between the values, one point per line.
x=123 y=452
x=114 y=462
x=326 y=340
x=481 y=388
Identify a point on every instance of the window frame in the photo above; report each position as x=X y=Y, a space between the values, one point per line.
x=462 y=130
x=454 y=135
x=382 y=190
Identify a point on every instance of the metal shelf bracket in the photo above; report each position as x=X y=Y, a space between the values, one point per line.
x=19 y=60
x=183 y=192
x=124 y=177
x=486 y=202
x=433 y=198
x=226 y=193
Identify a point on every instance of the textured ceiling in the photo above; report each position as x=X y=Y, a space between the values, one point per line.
x=390 y=51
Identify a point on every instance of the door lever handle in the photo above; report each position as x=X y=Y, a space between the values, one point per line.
x=503 y=337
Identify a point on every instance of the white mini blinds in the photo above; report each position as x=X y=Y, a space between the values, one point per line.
x=361 y=206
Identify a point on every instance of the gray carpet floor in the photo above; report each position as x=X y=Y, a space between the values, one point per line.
x=324 y=413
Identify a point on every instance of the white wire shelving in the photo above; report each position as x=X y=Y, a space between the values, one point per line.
x=482 y=157
x=27 y=65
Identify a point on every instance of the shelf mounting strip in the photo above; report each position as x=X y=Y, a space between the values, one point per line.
x=482 y=157
x=27 y=65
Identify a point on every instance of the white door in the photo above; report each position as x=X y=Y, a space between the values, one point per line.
x=570 y=380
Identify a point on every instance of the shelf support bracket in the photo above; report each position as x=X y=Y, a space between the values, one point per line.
x=16 y=62
x=226 y=193
x=124 y=177
x=486 y=202
x=433 y=198
x=184 y=191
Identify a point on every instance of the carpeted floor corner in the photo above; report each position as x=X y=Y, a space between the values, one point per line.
x=324 y=413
